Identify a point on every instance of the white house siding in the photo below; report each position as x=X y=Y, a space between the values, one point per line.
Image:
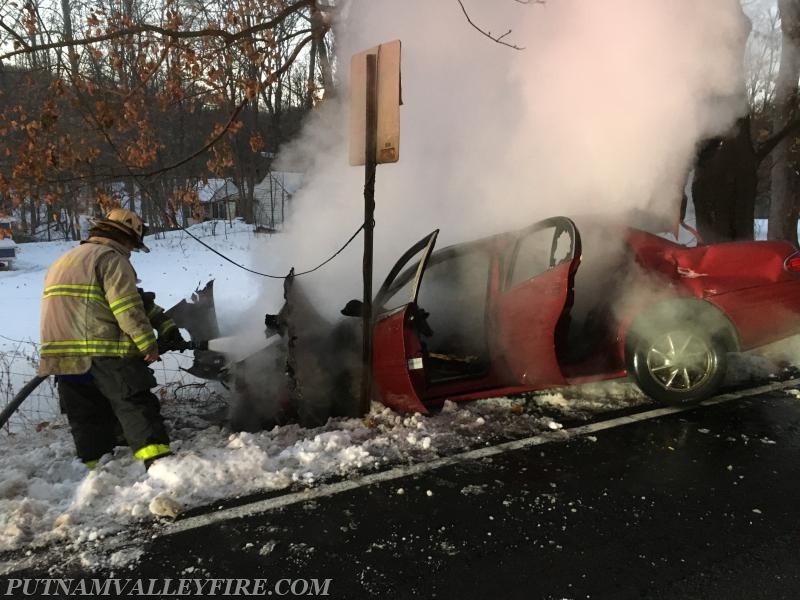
x=273 y=195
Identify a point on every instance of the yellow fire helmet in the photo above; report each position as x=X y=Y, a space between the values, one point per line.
x=129 y=223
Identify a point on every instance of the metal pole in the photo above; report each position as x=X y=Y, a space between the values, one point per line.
x=369 y=224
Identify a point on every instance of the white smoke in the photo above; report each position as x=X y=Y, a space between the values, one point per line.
x=600 y=112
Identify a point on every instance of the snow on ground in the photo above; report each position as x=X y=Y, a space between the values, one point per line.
x=47 y=495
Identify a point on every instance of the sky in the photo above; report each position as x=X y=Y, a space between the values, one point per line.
x=47 y=495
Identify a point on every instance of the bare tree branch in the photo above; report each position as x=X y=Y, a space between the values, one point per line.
x=273 y=76
x=499 y=38
x=791 y=128
x=199 y=152
x=17 y=39
x=230 y=38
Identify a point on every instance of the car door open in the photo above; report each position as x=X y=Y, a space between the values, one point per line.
x=537 y=289
x=397 y=351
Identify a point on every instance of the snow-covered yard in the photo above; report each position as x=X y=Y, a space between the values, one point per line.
x=47 y=495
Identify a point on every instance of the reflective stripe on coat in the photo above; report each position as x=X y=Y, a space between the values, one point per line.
x=91 y=307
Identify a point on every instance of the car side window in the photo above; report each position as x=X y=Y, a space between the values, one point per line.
x=400 y=292
x=533 y=255
x=454 y=293
x=401 y=284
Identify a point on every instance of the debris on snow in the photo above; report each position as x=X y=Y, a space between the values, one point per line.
x=267 y=548
x=165 y=505
x=474 y=490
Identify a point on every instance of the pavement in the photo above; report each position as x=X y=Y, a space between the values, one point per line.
x=659 y=504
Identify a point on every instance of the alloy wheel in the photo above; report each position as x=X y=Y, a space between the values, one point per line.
x=681 y=361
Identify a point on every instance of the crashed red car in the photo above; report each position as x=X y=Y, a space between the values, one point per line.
x=549 y=305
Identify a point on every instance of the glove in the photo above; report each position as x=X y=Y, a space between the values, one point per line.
x=148 y=299
x=172 y=340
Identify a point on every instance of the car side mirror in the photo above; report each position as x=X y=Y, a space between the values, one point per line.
x=354 y=308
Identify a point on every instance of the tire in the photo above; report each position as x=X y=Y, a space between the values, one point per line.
x=679 y=360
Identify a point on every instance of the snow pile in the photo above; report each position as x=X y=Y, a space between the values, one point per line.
x=48 y=496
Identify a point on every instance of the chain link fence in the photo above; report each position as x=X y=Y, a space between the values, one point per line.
x=187 y=400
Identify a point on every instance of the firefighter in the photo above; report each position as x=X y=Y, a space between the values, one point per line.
x=97 y=340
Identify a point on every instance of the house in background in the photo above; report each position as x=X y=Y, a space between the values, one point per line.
x=8 y=248
x=218 y=198
x=273 y=197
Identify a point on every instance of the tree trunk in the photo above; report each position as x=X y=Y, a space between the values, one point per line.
x=311 y=86
x=130 y=190
x=726 y=174
x=34 y=216
x=66 y=10
x=784 y=205
x=326 y=69
x=724 y=186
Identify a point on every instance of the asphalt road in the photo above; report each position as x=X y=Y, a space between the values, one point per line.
x=698 y=504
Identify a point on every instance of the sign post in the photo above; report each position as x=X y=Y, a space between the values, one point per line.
x=370 y=144
x=374 y=138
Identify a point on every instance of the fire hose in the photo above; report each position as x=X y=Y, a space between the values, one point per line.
x=12 y=406
x=28 y=388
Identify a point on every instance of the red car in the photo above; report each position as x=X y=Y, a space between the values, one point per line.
x=549 y=305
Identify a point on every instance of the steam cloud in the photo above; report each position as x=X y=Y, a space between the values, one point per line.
x=600 y=112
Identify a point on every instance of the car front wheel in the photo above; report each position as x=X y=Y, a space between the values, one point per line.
x=678 y=364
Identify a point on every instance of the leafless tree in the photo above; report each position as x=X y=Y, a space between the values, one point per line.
x=785 y=204
x=138 y=91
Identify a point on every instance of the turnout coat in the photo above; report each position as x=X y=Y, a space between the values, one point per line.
x=91 y=308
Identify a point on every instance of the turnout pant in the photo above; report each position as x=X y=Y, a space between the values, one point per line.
x=114 y=399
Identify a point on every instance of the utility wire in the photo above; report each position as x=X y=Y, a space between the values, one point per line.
x=233 y=262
